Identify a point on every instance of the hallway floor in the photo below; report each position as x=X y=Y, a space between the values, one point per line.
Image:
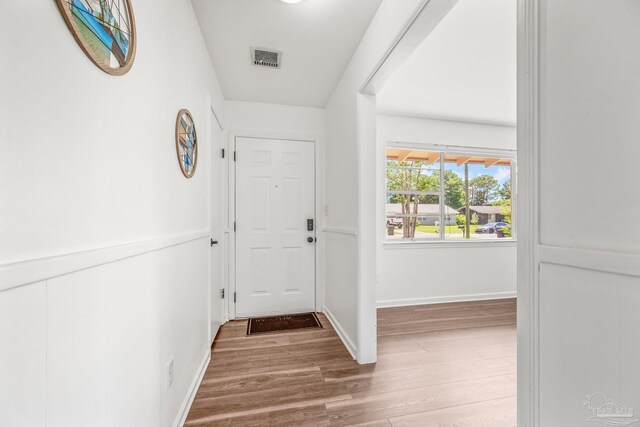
x=452 y=364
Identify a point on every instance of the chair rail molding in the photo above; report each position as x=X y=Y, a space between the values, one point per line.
x=31 y=271
x=621 y=263
x=348 y=231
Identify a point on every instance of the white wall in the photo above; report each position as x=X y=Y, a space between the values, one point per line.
x=430 y=273
x=427 y=131
x=589 y=283
x=286 y=120
x=465 y=70
x=348 y=282
x=88 y=167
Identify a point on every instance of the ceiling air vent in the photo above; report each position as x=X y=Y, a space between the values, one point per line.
x=266 y=58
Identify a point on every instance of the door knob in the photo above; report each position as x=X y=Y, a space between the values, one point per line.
x=310 y=239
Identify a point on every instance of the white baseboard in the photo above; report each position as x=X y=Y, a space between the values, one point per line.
x=193 y=389
x=341 y=333
x=215 y=327
x=445 y=299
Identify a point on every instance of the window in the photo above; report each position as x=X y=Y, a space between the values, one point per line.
x=449 y=194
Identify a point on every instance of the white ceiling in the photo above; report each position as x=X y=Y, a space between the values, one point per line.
x=464 y=71
x=318 y=38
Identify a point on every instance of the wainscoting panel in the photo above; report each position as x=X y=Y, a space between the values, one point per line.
x=341 y=287
x=77 y=347
x=588 y=336
x=96 y=346
x=23 y=356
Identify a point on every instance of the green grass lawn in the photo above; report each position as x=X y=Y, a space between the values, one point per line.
x=449 y=229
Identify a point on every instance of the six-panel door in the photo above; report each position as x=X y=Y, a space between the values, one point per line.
x=275 y=251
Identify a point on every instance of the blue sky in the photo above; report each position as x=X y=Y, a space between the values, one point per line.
x=501 y=173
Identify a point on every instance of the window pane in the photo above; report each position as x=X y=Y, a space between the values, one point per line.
x=413 y=171
x=413 y=194
x=413 y=221
x=487 y=182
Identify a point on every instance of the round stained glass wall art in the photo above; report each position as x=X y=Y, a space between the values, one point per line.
x=186 y=143
x=105 y=30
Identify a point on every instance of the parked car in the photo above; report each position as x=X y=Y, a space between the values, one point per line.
x=396 y=222
x=492 y=227
x=502 y=226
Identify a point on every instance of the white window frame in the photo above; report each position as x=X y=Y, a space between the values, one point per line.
x=459 y=151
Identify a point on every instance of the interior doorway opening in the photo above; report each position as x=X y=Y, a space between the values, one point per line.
x=445 y=187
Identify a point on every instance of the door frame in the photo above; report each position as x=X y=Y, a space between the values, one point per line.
x=213 y=121
x=317 y=141
x=528 y=213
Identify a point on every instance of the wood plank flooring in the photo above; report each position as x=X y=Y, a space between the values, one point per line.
x=438 y=365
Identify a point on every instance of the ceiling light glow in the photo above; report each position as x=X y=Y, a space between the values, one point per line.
x=290 y=1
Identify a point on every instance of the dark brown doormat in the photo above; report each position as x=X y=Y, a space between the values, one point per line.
x=265 y=325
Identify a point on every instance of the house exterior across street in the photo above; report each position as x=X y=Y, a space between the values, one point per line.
x=427 y=214
x=486 y=214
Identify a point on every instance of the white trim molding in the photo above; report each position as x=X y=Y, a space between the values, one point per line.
x=626 y=264
x=193 y=389
x=347 y=231
x=455 y=149
x=366 y=226
x=341 y=333
x=445 y=299
x=216 y=116
x=23 y=273
x=528 y=213
x=418 y=244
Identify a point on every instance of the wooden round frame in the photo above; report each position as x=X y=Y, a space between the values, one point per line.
x=63 y=5
x=186 y=112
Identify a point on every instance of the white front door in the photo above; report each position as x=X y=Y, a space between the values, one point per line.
x=275 y=205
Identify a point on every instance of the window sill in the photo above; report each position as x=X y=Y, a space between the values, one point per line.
x=418 y=244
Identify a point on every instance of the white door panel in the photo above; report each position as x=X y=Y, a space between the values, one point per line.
x=275 y=196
